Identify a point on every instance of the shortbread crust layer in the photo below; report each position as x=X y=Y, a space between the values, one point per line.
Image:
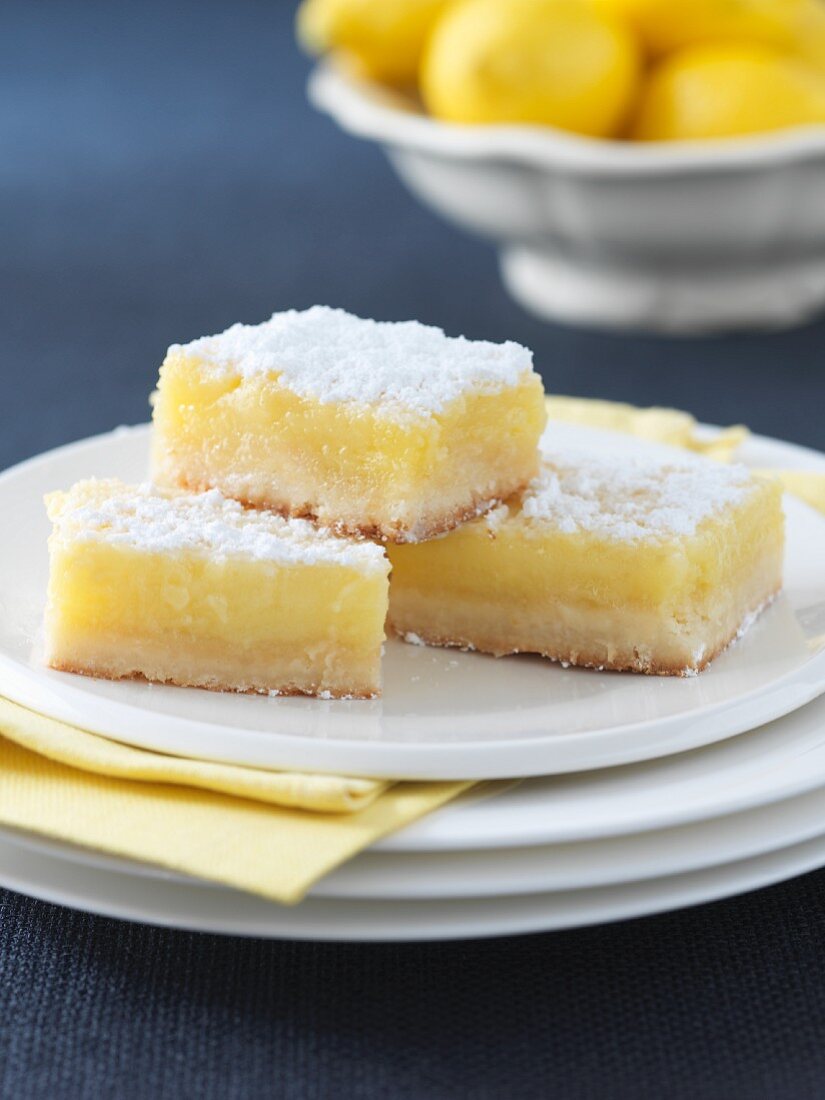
x=119 y=660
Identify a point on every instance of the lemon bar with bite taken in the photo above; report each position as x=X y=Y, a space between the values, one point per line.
x=650 y=562
x=198 y=591
x=388 y=430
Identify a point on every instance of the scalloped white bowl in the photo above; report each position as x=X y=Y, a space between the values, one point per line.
x=674 y=238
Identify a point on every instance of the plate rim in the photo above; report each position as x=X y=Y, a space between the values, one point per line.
x=791 y=821
x=516 y=915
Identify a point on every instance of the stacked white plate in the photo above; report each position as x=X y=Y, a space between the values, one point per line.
x=649 y=793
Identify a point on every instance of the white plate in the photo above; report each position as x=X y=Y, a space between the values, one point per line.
x=781 y=760
x=539 y=869
x=444 y=714
x=581 y=865
x=211 y=909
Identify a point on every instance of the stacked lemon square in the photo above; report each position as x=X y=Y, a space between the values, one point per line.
x=294 y=462
x=646 y=560
x=194 y=589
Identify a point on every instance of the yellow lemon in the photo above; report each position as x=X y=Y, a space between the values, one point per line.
x=666 y=25
x=385 y=38
x=725 y=90
x=552 y=62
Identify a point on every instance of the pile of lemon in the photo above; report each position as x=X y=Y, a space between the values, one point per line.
x=645 y=70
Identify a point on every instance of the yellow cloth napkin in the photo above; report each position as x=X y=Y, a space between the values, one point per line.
x=672 y=426
x=217 y=822
x=269 y=833
x=679 y=429
x=809 y=487
x=80 y=749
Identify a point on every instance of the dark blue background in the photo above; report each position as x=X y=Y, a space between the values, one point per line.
x=161 y=177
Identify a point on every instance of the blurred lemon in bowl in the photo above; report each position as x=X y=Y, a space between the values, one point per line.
x=667 y=25
x=553 y=62
x=728 y=90
x=384 y=38
x=720 y=68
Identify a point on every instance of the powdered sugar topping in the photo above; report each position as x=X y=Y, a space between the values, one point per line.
x=153 y=520
x=403 y=369
x=629 y=497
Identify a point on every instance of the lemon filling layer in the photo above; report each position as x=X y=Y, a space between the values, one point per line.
x=640 y=564
x=195 y=590
x=390 y=430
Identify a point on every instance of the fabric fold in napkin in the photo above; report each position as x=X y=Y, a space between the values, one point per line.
x=70 y=785
x=268 y=833
x=672 y=426
x=80 y=749
x=809 y=487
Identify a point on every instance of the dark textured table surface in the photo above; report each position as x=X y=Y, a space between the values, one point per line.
x=161 y=177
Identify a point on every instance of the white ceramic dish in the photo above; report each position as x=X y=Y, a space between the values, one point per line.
x=444 y=714
x=212 y=909
x=676 y=237
x=480 y=873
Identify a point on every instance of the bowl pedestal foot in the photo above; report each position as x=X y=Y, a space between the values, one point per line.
x=562 y=288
